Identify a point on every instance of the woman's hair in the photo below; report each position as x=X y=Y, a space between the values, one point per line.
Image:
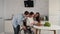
x=38 y=17
x=31 y=13
x=26 y=12
x=38 y=13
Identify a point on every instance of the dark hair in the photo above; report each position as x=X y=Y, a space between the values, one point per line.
x=38 y=13
x=26 y=12
x=31 y=13
x=38 y=17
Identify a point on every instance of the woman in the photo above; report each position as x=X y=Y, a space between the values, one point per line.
x=37 y=17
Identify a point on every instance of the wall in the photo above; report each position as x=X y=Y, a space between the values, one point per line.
x=1 y=16
x=54 y=11
x=1 y=8
x=17 y=6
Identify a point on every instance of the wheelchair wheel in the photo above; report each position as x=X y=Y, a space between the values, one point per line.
x=30 y=32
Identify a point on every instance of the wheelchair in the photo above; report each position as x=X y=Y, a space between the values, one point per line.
x=27 y=31
x=28 y=28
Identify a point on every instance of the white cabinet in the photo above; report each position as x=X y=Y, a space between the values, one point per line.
x=8 y=26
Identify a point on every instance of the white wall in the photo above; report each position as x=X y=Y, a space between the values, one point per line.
x=1 y=8
x=17 y=6
x=1 y=16
x=54 y=11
